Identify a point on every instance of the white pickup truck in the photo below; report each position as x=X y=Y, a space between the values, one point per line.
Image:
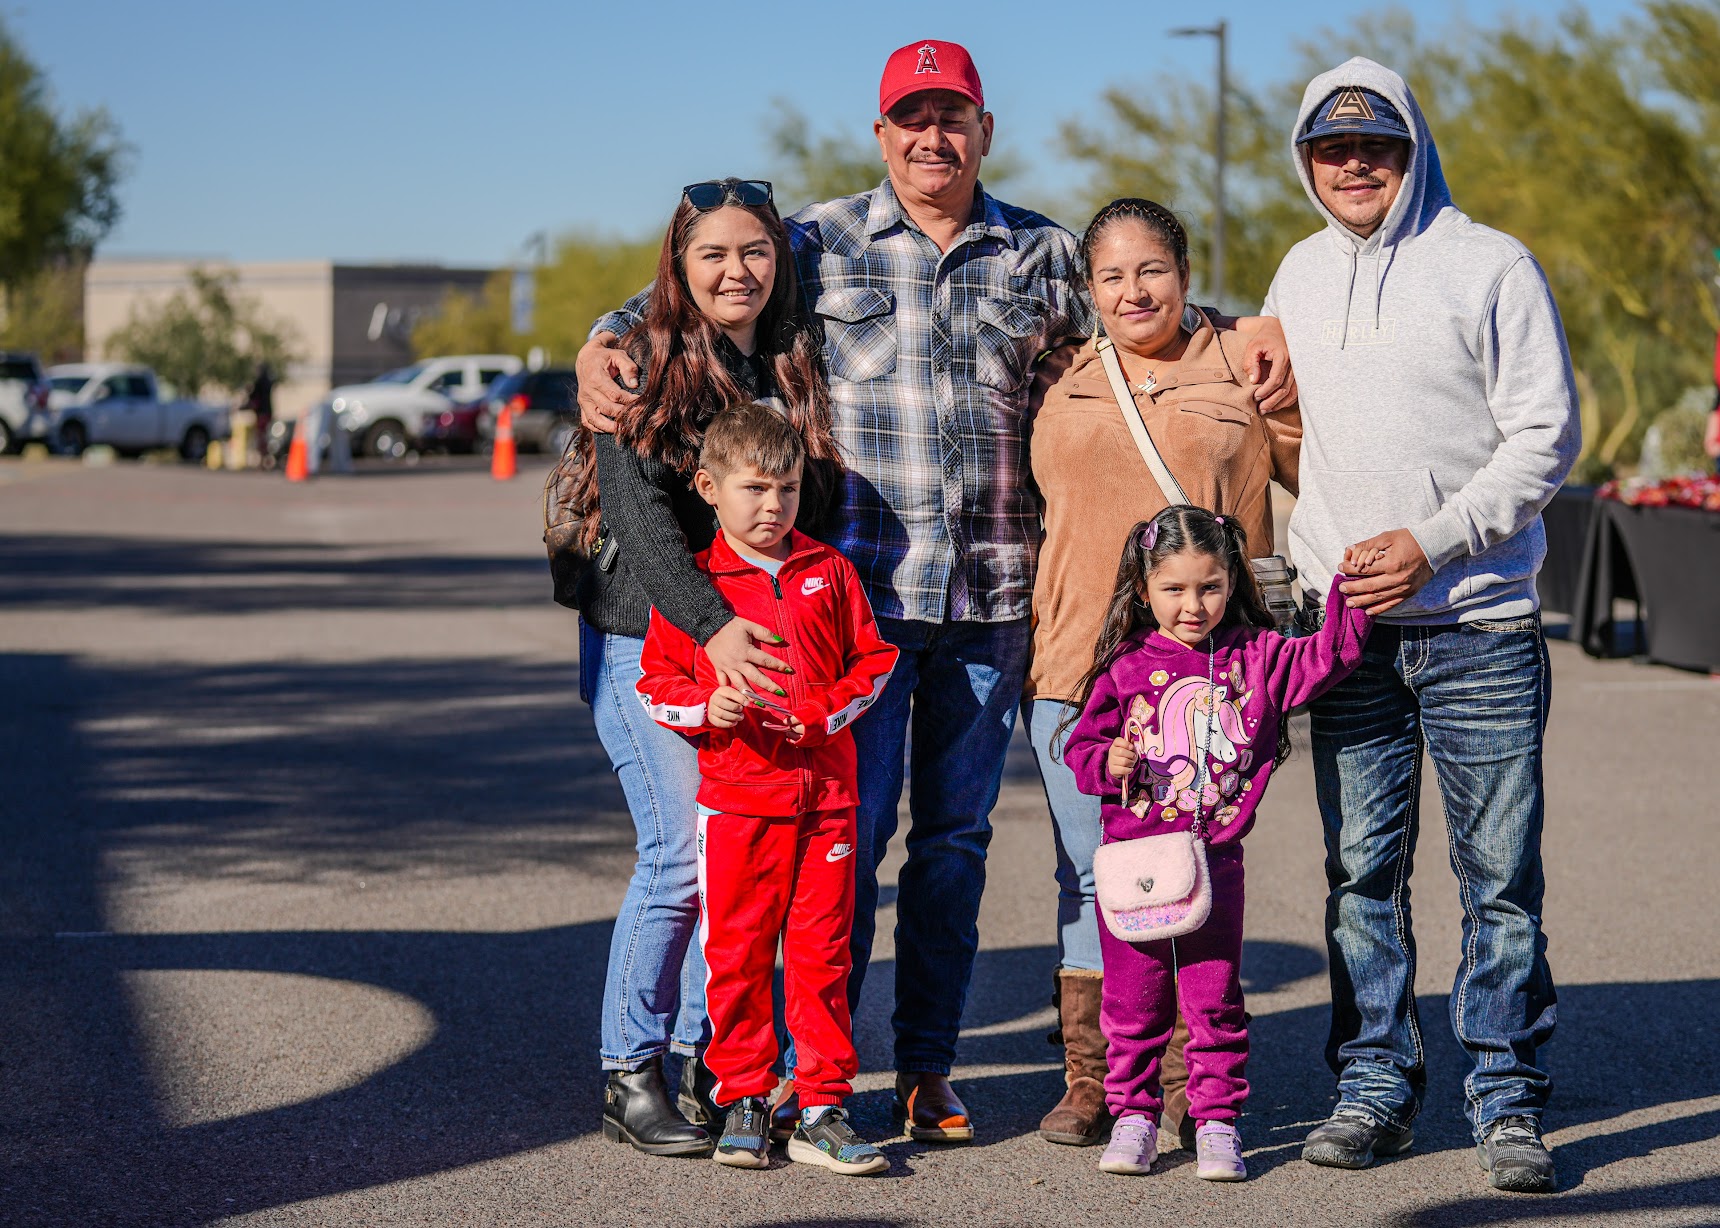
x=387 y=415
x=118 y=404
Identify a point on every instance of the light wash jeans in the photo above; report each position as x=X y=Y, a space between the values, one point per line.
x=1475 y=698
x=1075 y=829
x=654 y=994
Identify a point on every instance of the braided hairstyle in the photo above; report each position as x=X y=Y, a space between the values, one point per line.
x=1149 y=213
x=1178 y=529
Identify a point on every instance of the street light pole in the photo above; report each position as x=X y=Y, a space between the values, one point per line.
x=1221 y=33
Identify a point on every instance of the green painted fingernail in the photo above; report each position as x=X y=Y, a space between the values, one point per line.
x=780 y=691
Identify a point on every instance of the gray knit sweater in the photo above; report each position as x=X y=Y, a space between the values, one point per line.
x=659 y=523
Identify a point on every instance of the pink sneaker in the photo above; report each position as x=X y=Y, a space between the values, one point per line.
x=1218 y=1153
x=1133 y=1147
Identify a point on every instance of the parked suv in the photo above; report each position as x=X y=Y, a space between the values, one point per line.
x=23 y=400
x=544 y=407
x=387 y=416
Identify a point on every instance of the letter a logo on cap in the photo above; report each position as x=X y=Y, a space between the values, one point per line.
x=928 y=60
x=1350 y=104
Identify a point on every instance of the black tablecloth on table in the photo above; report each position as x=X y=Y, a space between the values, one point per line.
x=1566 y=520
x=1668 y=560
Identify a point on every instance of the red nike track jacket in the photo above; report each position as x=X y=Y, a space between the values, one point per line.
x=840 y=667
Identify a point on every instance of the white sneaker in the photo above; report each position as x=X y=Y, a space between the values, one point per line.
x=1133 y=1147
x=1218 y=1153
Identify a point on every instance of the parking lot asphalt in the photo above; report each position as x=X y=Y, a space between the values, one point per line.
x=309 y=857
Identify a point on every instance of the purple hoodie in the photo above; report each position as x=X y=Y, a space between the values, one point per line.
x=1155 y=693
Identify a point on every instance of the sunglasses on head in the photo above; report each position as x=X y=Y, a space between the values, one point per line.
x=715 y=193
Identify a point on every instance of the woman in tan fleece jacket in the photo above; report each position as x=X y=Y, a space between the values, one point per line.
x=1193 y=394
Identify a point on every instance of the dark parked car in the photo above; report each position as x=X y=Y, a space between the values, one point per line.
x=453 y=430
x=543 y=406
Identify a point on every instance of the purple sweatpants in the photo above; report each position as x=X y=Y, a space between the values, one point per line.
x=1139 y=1007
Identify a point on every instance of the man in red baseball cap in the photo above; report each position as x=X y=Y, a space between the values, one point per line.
x=933 y=129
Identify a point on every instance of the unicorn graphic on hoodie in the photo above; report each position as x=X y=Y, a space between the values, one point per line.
x=1168 y=732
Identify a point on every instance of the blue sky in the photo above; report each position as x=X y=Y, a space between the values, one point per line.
x=382 y=130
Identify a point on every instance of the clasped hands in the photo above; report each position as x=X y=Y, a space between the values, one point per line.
x=1389 y=569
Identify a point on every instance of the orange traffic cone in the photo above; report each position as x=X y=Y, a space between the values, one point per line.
x=503 y=462
x=299 y=454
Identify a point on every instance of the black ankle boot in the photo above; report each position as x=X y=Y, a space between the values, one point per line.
x=636 y=1110
x=694 y=1101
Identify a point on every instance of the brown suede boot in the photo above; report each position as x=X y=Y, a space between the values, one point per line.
x=1080 y=1118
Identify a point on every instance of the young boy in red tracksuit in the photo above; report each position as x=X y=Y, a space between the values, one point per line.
x=776 y=794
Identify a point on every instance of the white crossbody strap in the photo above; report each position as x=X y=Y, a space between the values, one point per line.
x=1137 y=425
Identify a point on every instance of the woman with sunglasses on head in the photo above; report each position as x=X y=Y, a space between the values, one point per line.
x=724 y=327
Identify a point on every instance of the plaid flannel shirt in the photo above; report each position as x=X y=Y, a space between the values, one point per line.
x=930 y=357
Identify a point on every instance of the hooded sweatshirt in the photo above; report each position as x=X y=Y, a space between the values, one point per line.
x=1436 y=386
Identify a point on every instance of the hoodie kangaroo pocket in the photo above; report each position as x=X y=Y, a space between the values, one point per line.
x=1349 y=506
x=1340 y=508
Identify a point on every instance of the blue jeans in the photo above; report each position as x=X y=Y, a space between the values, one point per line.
x=1075 y=827
x=959 y=685
x=1475 y=697
x=654 y=993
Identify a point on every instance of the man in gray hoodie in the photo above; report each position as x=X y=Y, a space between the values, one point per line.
x=1439 y=415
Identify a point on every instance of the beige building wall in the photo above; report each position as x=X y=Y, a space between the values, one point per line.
x=299 y=295
x=349 y=322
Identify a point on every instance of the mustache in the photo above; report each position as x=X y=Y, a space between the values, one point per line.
x=1360 y=181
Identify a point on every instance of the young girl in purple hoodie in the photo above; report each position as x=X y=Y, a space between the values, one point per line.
x=1183 y=715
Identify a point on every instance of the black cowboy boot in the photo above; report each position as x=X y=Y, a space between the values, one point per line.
x=636 y=1110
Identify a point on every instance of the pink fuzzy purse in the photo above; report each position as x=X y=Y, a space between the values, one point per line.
x=1155 y=887
x=1158 y=887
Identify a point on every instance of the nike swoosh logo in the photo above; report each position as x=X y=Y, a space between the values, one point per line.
x=838 y=852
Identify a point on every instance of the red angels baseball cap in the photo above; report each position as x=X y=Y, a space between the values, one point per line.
x=929 y=65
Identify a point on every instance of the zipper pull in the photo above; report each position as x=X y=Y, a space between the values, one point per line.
x=777 y=588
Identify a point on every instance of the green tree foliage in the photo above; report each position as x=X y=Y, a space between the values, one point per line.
x=818 y=166
x=45 y=312
x=1598 y=149
x=465 y=323
x=586 y=276
x=57 y=174
x=206 y=337
x=1162 y=150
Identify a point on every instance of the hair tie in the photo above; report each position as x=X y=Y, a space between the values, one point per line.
x=1218 y=519
x=1150 y=535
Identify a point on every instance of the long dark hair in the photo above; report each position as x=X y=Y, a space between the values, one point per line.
x=686 y=382
x=1176 y=530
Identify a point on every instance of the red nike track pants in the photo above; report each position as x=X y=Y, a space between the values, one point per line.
x=762 y=880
